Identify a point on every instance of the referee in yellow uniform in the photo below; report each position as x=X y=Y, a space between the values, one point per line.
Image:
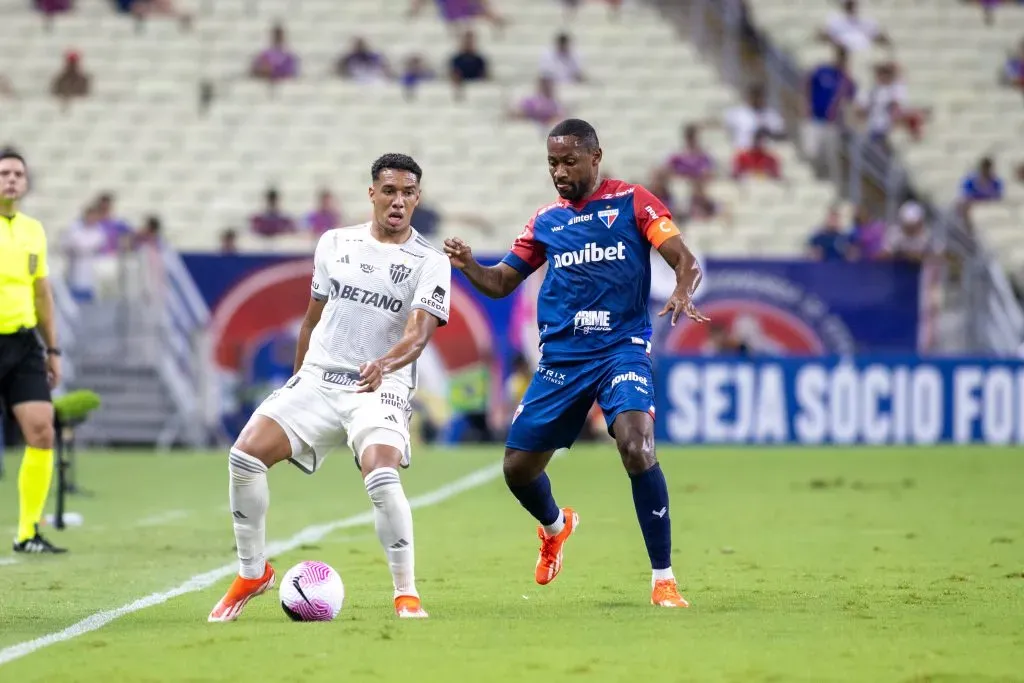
x=29 y=356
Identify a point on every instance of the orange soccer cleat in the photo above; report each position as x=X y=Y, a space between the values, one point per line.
x=550 y=561
x=240 y=593
x=409 y=607
x=666 y=594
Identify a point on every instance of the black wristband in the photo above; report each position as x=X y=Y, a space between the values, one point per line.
x=53 y=351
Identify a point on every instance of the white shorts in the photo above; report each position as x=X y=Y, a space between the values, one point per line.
x=320 y=409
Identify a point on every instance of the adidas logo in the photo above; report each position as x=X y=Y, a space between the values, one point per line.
x=343 y=259
x=392 y=418
x=399 y=544
x=238 y=515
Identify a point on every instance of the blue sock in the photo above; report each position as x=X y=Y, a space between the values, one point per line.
x=537 y=499
x=650 y=496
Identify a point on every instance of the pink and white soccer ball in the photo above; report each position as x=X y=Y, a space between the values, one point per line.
x=312 y=591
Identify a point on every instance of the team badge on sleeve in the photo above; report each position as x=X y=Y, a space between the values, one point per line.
x=33 y=263
x=608 y=216
x=400 y=273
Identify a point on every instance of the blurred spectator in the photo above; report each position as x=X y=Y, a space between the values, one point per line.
x=867 y=234
x=272 y=221
x=229 y=242
x=144 y=9
x=745 y=120
x=415 y=72
x=150 y=234
x=206 y=94
x=988 y=8
x=325 y=217
x=724 y=341
x=701 y=206
x=84 y=242
x=457 y=11
x=72 y=81
x=757 y=161
x=363 y=65
x=561 y=63
x=829 y=90
x=6 y=89
x=51 y=7
x=518 y=380
x=852 y=31
x=658 y=185
x=982 y=185
x=118 y=231
x=829 y=242
x=468 y=64
x=880 y=106
x=427 y=219
x=277 y=62
x=691 y=161
x=909 y=240
x=542 y=107
x=1013 y=72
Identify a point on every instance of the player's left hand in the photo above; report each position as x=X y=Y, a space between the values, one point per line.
x=371 y=375
x=679 y=304
x=53 y=370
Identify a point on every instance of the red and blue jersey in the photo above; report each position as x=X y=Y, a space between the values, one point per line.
x=594 y=297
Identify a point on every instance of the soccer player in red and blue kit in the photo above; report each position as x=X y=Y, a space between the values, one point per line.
x=595 y=339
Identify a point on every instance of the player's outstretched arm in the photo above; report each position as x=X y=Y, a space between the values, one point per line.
x=418 y=332
x=494 y=281
x=688 y=277
x=313 y=313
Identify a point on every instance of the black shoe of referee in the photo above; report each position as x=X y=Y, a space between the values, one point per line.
x=37 y=544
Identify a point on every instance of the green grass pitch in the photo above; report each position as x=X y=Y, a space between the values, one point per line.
x=802 y=565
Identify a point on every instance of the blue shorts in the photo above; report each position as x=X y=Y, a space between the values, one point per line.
x=555 y=406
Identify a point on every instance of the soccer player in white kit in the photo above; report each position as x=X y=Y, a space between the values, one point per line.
x=379 y=291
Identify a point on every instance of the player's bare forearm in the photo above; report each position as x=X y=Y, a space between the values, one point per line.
x=44 y=312
x=496 y=281
x=312 y=317
x=418 y=332
x=684 y=263
x=688 y=277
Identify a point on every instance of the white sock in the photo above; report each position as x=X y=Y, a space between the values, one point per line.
x=250 y=498
x=661 y=574
x=556 y=527
x=392 y=518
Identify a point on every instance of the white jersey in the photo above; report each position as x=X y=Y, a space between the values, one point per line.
x=371 y=288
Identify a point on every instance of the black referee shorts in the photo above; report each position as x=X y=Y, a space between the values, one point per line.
x=23 y=375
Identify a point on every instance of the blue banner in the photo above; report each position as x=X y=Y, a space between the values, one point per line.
x=771 y=308
x=257 y=303
x=860 y=400
x=803 y=308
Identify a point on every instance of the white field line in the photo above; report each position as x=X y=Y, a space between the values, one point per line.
x=163 y=518
x=4 y=561
x=202 y=581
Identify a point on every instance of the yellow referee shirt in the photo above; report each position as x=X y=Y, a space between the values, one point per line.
x=22 y=262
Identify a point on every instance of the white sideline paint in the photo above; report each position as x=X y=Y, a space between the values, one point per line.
x=4 y=561
x=199 y=582
x=163 y=518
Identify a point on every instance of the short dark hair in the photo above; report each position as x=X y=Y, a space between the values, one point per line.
x=11 y=153
x=396 y=162
x=577 y=128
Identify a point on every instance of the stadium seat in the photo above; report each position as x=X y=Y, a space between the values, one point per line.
x=950 y=61
x=142 y=136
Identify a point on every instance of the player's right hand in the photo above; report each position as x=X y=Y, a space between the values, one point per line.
x=458 y=252
x=371 y=375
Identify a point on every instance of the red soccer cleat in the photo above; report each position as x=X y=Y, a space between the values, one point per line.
x=550 y=561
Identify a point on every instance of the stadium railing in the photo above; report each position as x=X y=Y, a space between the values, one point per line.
x=979 y=287
x=175 y=319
